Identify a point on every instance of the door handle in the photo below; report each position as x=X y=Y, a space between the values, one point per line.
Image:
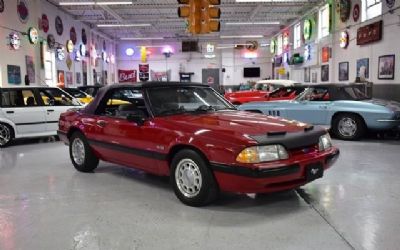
x=50 y=110
x=323 y=107
x=10 y=112
x=101 y=123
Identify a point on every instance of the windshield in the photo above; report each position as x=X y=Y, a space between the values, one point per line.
x=76 y=93
x=174 y=100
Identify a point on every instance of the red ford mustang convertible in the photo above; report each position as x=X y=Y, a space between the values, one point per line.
x=190 y=133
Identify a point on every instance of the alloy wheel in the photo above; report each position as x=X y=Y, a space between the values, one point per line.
x=78 y=151
x=347 y=127
x=5 y=135
x=188 y=178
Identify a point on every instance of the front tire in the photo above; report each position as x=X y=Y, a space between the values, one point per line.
x=348 y=127
x=82 y=156
x=6 y=135
x=192 y=180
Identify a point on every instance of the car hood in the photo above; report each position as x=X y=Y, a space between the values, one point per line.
x=392 y=105
x=239 y=123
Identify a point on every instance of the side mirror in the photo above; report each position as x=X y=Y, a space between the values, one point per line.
x=138 y=118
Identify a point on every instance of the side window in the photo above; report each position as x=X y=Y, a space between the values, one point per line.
x=56 y=97
x=18 y=98
x=122 y=102
x=319 y=94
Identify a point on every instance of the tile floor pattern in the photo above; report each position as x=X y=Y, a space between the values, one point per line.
x=46 y=204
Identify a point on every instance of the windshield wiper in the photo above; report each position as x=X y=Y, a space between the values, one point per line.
x=206 y=108
x=172 y=111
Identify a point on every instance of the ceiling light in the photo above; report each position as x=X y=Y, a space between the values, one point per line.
x=267 y=1
x=124 y=25
x=242 y=36
x=254 y=23
x=141 y=38
x=70 y=3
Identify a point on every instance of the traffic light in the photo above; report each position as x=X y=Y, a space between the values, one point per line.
x=201 y=15
x=209 y=16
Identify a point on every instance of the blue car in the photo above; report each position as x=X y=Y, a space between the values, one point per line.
x=345 y=109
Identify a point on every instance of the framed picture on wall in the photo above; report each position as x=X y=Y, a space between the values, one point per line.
x=386 y=67
x=306 y=74
x=14 y=74
x=324 y=73
x=363 y=68
x=343 y=71
x=314 y=77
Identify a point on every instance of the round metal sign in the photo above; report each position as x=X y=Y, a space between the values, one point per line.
x=69 y=46
x=59 y=25
x=51 y=41
x=307 y=29
x=33 y=35
x=15 y=41
x=23 y=11
x=356 y=12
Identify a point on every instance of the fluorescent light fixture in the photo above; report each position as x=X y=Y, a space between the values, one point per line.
x=266 y=1
x=140 y=38
x=243 y=36
x=254 y=23
x=111 y=25
x=210 y=56
x=72 y=3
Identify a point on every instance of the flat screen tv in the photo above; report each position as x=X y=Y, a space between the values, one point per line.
x=251 y=72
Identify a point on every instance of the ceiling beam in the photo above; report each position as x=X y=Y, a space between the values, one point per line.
x=112 y=13
x=255 y=11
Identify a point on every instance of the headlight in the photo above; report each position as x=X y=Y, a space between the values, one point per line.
x=325 y=142
x=259 y=154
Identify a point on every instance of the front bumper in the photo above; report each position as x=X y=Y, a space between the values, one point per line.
x=240 y=179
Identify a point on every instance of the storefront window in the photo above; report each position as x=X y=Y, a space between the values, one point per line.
x=280 y=45
x=297 y=36
x=324 y=21
x=371 y=9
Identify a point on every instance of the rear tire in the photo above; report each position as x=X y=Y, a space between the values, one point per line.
x=6 y=135
x=348 y=127
x=81 y=154
x=192 y=180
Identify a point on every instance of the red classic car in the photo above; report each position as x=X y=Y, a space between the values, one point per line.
x=190 y=133
x=284 y=93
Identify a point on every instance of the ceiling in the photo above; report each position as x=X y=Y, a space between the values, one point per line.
x=162 y=15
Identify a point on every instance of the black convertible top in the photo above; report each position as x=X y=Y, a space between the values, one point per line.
x=92 y=106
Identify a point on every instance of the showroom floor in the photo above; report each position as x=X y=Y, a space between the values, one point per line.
x=46 y=204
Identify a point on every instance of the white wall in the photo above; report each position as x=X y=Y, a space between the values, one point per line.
x=388 y=45
x=9 y=18
x=230 y=59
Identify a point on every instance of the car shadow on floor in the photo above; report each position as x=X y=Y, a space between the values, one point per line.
x=226 y=201
x=30 y=141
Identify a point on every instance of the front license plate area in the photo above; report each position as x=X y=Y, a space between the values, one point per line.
x=314 y=171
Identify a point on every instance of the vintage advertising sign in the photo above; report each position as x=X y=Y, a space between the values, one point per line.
x=369 y=33
x=127 y=75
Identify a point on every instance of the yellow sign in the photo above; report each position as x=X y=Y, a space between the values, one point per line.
x=281 y=71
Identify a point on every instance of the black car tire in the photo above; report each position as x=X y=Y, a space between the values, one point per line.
x=208 y=190
x=90 y=161
x=356 y=120
x=10 y=131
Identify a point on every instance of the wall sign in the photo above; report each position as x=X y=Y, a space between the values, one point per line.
x=356 y=12
x=84 y=37
x=390 y=3
x=60 y=54
x=386 y=67
x=68 y=61
x=278 y=61
x=369 y=33
x=51 y=41
x=44 y=23
x=59 y=25
x=1 y=6
x=344 y=39
x=307 y=52
x=286 y=43
x=345 y=7
x=144 y=72
x=82 y=50
x=72 y=35
x=23 y=11
x=127 y=75
x=307 y=29
x=33 y=35
x=272 y=46
x=69 y=46
x=14 y=41
x=326 y=54
x=14 y=74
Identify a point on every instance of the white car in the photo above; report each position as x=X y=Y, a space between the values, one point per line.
x=32 y=111
x=271 y=85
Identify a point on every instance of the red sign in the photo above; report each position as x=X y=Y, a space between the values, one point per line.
x=44 y=23
x=127 y=75
x=369 y=33
x=326 y=54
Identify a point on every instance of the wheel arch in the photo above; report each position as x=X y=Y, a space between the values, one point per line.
x=72 y=130
x=347 y=112
x=179 y=147
x=10 y=124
